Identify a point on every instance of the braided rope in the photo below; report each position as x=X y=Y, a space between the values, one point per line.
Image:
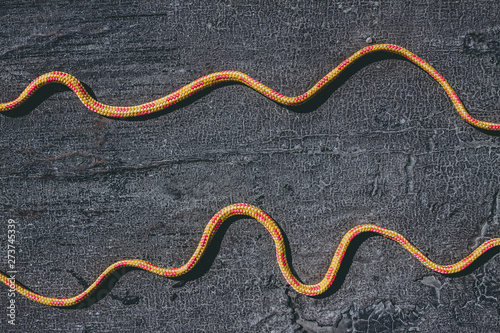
x=235 y=76
x=277 y=235
x=245 y=209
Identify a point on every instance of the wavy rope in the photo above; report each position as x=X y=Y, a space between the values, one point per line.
x=245 y=209
x=271 y=226
x=235 y=76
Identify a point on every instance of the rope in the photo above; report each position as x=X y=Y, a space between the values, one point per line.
x=277 y=235
x=235 y=76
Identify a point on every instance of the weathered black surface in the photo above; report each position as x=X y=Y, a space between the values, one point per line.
x=384 y=147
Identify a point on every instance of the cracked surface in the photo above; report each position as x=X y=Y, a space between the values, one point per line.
x=87 y=191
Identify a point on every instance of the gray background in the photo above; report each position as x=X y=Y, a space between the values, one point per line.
x=384 y=146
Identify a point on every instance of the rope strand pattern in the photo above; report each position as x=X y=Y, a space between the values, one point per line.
x=277 y=235
x=235 y=76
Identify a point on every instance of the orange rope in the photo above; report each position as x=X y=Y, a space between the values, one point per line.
x=235 y=76
x=271 y=226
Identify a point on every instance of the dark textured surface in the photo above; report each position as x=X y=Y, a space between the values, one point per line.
x=384 y=147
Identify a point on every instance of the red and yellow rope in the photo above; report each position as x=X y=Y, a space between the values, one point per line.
x=235 y=76
x=271 y=226
x=245 y=209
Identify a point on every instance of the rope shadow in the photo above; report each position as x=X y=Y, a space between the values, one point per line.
x=37 y=98
x=346 y=264
x=482 y=260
